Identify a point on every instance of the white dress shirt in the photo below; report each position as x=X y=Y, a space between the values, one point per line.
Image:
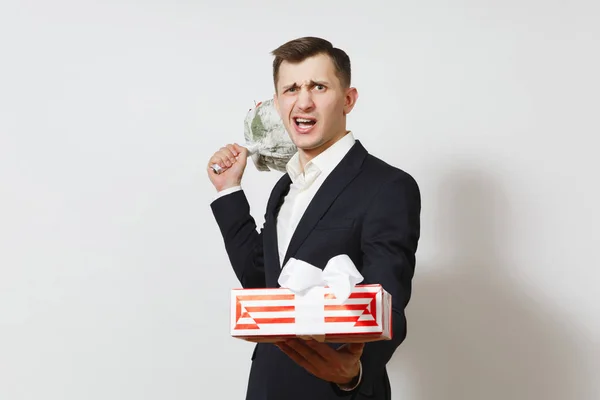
x=303 y=188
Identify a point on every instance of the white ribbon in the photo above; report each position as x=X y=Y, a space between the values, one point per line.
x=308 y=284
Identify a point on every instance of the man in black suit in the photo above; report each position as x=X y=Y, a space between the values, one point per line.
x=335 y=199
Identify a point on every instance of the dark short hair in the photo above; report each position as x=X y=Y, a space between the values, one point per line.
x=298 y=50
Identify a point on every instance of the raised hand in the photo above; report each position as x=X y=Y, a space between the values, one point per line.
x=232 y=159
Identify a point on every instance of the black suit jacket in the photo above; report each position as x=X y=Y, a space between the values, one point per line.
x=366 y=209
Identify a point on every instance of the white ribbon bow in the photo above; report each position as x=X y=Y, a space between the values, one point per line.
x=340 y=274
x=308 y=284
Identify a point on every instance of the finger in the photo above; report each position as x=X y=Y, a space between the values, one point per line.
x=297 y=358
x=217 y=159
x=234 y=151
x=355 y=348
x=216 y=168
x=240 y=149
x=322 y=349
x=227 y=155
x=300 y=347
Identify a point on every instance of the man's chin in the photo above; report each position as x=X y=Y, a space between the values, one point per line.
x=307 y=146
x=306 y=142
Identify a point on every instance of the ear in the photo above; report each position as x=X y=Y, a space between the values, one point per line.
x=350 y=100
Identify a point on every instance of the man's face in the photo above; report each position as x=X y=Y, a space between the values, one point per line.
x=313 y=104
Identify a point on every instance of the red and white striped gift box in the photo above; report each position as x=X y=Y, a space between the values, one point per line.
x=270 y=315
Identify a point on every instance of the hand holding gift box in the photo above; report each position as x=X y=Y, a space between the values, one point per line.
x=326 y=305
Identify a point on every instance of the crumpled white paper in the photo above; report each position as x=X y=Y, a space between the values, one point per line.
x=308 y=284
x=268 y=143
x=267 y=140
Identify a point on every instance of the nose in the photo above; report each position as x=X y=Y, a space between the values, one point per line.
x=305 y=100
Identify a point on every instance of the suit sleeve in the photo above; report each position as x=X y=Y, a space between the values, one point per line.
x=244 y=245
x=390 y=235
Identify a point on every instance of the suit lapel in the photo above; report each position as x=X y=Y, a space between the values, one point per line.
x=337 y=180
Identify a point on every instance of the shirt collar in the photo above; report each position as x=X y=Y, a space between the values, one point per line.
x=324 y=162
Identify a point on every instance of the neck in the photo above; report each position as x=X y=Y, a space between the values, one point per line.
x=305 y=155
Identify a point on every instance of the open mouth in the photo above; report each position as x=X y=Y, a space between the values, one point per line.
x=304 y=124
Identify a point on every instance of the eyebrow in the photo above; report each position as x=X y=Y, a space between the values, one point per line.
x=311 y=83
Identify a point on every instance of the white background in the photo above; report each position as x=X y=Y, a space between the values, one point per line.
x=113 y=277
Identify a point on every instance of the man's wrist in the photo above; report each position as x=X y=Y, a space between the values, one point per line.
x=228 y=186
x=228 y=190
x=353 y=384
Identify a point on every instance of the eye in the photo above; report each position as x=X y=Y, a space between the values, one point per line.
x=320 y=87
